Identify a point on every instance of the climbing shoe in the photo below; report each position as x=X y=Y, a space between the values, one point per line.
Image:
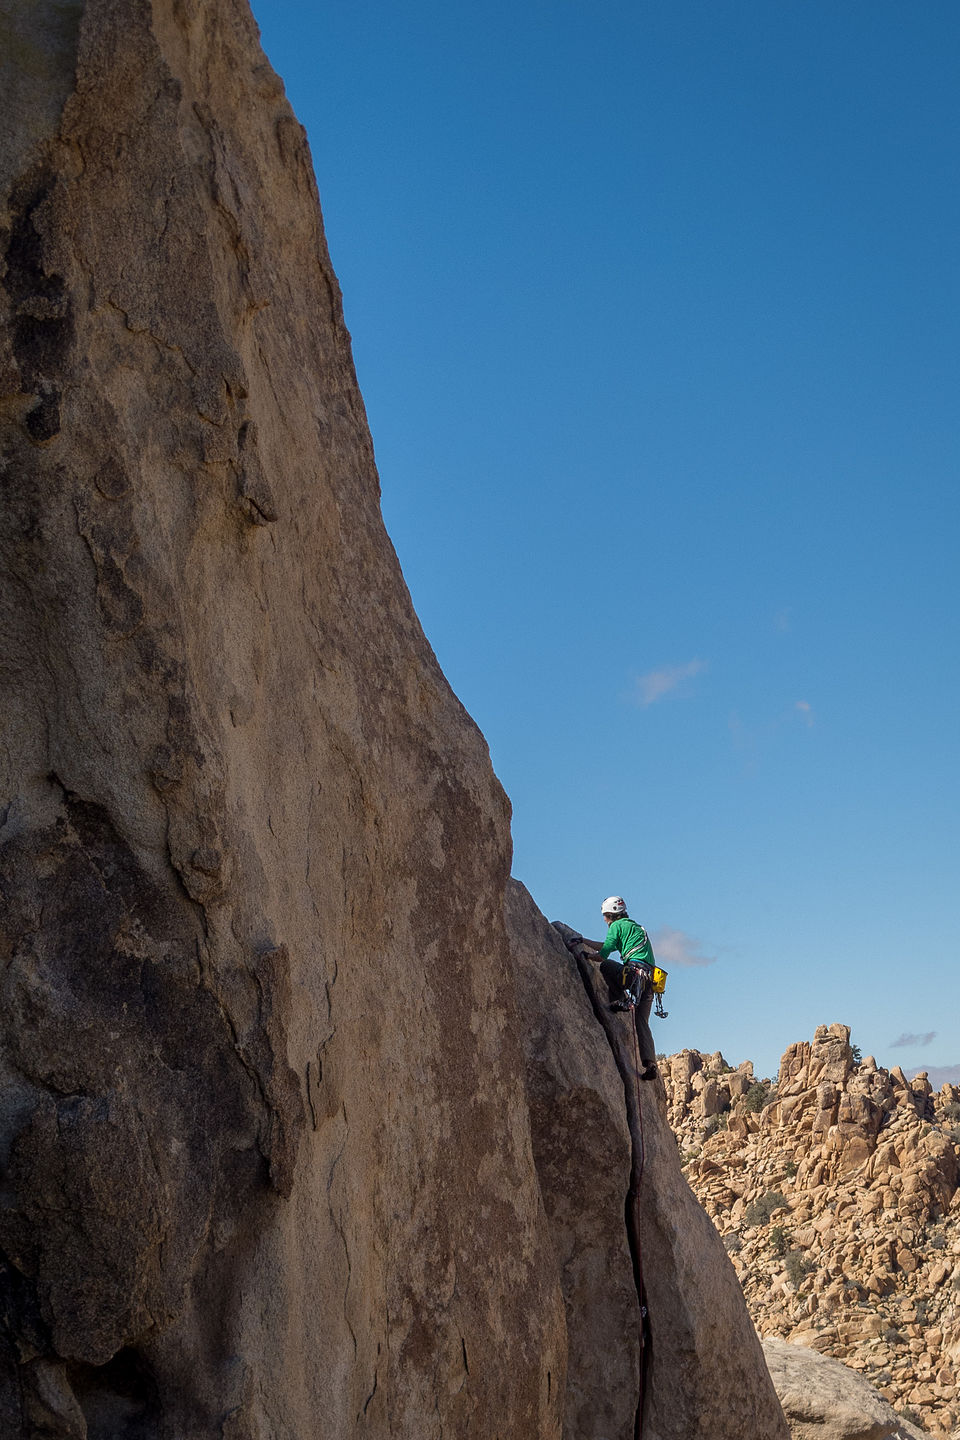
x=622 y=1005
x=649 y=1072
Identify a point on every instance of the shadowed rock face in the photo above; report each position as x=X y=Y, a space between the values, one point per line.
x=279 y=1156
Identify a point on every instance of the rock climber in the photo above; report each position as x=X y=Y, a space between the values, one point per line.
x=629 y=979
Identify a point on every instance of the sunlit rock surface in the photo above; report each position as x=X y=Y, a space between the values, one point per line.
x=835 y=1190
x=824 y=1400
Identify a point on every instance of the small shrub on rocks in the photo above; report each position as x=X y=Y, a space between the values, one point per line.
x=790 y=1169
x=779 y=1239
x=798 y=1267
x=758 y=1212
x=755 y=1097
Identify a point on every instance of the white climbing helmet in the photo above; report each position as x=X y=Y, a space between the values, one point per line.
x=614 y=905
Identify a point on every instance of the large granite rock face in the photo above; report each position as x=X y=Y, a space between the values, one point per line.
x=264 y=1131
x=281 y=1154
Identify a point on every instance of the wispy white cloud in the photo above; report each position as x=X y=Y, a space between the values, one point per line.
x=657 y=683
x=755 y=740
x=675 y=947
x=912 y=1041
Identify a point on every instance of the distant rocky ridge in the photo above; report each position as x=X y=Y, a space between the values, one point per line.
x=835 y=1189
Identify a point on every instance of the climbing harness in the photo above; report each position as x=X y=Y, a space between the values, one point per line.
x=631 y=979
x=634 y=976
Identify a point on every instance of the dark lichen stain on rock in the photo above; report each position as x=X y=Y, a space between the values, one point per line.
x=42 y=322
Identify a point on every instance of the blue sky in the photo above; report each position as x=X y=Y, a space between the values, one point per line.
x=655 y=312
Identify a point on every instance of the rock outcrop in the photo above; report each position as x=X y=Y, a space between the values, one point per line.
x=282 y=1155
x=835 y=1189
x=258 y=1026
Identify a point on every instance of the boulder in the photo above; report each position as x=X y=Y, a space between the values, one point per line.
x=825 y=1400
x=831 y=1056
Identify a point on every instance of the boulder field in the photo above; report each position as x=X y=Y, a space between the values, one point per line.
x=835 y=1190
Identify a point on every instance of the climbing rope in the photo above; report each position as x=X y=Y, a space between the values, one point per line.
x=575 y=944
x=636 y=1230
x=636 y=1077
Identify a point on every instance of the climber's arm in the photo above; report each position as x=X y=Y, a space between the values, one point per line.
x=596 y=949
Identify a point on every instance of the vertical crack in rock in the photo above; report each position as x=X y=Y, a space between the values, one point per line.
x=705 y=1376
x=625 y=1058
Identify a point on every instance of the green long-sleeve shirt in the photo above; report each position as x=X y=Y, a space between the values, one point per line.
x=630 y=939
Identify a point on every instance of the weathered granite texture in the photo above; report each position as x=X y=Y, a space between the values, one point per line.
x=267 y=1161
x=300 y=1134
x=824 y=1400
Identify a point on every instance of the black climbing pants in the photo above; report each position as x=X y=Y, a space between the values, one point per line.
x=612 y=972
